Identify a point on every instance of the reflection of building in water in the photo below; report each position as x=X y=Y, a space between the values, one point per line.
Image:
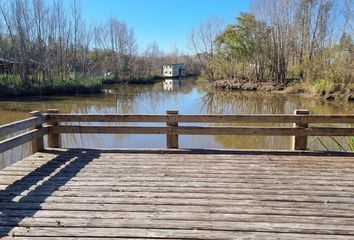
x=171 y=84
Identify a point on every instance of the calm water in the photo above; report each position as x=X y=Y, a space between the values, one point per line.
x=188 y=97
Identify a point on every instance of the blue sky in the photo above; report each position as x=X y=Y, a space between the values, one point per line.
x=165 y=21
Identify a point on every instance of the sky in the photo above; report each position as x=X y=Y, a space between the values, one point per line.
x=165 y=21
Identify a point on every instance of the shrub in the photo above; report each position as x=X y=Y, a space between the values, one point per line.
x=322 y=86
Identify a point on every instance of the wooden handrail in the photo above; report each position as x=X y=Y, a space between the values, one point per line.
x=106 y=118
x=108 y=129
x=20 y=125
x=212 y=118
x=193 y=130
x=54 y=127
x=22 y=138
x=300 y=130
x=35 y=133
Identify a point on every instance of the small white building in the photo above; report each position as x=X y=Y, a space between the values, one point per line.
x=174 y=70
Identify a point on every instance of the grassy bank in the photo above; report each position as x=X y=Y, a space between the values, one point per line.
x=322 y=88
x=329 y=89
x=136 y=80
x=13 y=86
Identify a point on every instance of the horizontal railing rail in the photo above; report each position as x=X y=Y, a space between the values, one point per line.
x=34 y=132
x=212 y=118
x=24 y=124
x=54 y=124
x=23 y=138
x=191 y=130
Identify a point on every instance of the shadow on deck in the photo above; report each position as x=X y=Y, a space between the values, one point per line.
x=38 y=183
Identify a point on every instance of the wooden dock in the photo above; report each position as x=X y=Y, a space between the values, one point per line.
x=67 y=194
x=71 y=194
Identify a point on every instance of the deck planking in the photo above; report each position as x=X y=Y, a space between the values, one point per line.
x=152 y=194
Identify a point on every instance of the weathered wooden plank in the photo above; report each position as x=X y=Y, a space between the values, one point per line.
x=22 y=138
x=54 y=140
x=332 y=184
x=250 y=118
x=169 y=216
x=341 y=188
x=161 y=233
x=13 y=208
x=37 y=142
x=266 y=131
x=249 y=159
x=169 y=171
x=300 y=142
x=266 y=160
x=172 y=123
x=308 y=228
x=267 y=118
x=317 y=166
x=210 y=202
x=188 y=130
x=107 y=118
x=179 y=195
x=86 y=165
x=20 y=125
x=215 y=176
x=108 y=129
x=263 y=154
x=244 y=191
x=290 y=163
x=171 y=164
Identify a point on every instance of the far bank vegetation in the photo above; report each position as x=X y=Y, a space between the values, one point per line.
x=47 y=47
x=305 y=44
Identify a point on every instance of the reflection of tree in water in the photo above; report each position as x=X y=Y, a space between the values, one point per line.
x=246 y=103
x=255 y=103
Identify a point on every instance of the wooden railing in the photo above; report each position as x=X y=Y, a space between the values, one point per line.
x=35 y=133
x=51 y=123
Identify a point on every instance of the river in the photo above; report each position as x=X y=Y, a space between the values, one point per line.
x=187 y=96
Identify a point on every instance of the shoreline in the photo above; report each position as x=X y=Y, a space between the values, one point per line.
x=340 y=93
x=147 y=80
x=44 y=91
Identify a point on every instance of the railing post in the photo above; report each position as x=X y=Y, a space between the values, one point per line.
x=300 y=142
x=37 y=143
x=54 y=140
x=172 y=123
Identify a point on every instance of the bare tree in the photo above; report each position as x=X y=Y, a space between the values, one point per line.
x=201 y=43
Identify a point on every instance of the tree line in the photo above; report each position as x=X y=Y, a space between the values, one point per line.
x=48 y=40
x=281 y=41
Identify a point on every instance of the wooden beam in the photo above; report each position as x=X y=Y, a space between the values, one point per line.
x=300 y=142
x=267 y=118
x=191 y=130
x=172 y=124
x=266 y=131
x=249 y=118
x=108 y=130
x=20 y=125
x=54 y=140
x=106 y=118
x=22 y=138
x=37 y=142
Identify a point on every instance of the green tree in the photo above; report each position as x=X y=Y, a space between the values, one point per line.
x=244 y=45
